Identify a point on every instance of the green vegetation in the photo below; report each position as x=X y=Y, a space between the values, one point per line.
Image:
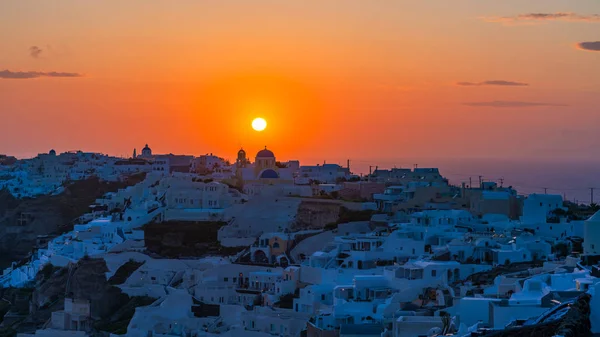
x=576 y=211
x=561 y=249
x=119 y=321
x=286 y=301
x=4 y=308
x=7 y=332
x=47 y=270
x=331 y=226
x=124 y=271
x=347 y=215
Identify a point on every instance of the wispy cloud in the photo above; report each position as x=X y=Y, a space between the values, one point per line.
x=510 y=104
x=533 y=18
x=35 y=51
x=493 y=82
x=590 y=46
x=404 y=87
x=7 y=74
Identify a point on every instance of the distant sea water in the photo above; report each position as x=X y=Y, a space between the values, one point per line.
x=570 y=178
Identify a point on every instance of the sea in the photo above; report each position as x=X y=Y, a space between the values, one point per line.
x=573 y=179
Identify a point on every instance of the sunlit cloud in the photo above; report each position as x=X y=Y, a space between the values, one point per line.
x=511 y=104
x=35 y=51
x=493 y=82
x=590 y=46
x=538 y=18
x=7 y=74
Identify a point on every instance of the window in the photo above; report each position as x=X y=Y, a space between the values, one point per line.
x=433 y=273
x=272 y=327
x=225 y=279
x=322 y=297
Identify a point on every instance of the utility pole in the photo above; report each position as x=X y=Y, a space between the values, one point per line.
x=592 y=195
x=470 y=183
x=480 y=182
x=501 y=182
x=545 y=190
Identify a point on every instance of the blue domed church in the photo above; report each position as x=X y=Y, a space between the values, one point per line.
x=264 y=170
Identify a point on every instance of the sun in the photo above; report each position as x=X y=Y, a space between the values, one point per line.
x=259 y=124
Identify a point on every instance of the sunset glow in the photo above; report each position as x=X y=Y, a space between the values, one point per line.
x=446 y=81
x=259 y=124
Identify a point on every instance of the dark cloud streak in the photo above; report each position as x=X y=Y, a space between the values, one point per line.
x=539 y=17
x=7 y=74
x=590 y=46
x=493 y=82
x=511 y=104
x=35 y=51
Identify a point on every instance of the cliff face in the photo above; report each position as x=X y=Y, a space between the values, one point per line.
x=316 y=214
x=175 y=239
x=84 y=280
x=110 y=308
x=22 y=221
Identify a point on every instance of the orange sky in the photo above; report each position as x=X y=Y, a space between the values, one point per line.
x=335 y=79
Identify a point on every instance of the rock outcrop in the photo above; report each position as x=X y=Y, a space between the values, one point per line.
x=110 y=307
x=575 y=323
x=174 y=239
x=22 y=221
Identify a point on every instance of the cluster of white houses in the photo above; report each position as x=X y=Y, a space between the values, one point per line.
x=434 y=260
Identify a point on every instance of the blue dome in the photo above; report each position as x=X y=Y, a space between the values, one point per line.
x=269 y=174
x=265 y=154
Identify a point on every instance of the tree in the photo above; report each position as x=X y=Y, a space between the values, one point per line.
x=561 y=249
x=340 y=180
x=445 y=322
